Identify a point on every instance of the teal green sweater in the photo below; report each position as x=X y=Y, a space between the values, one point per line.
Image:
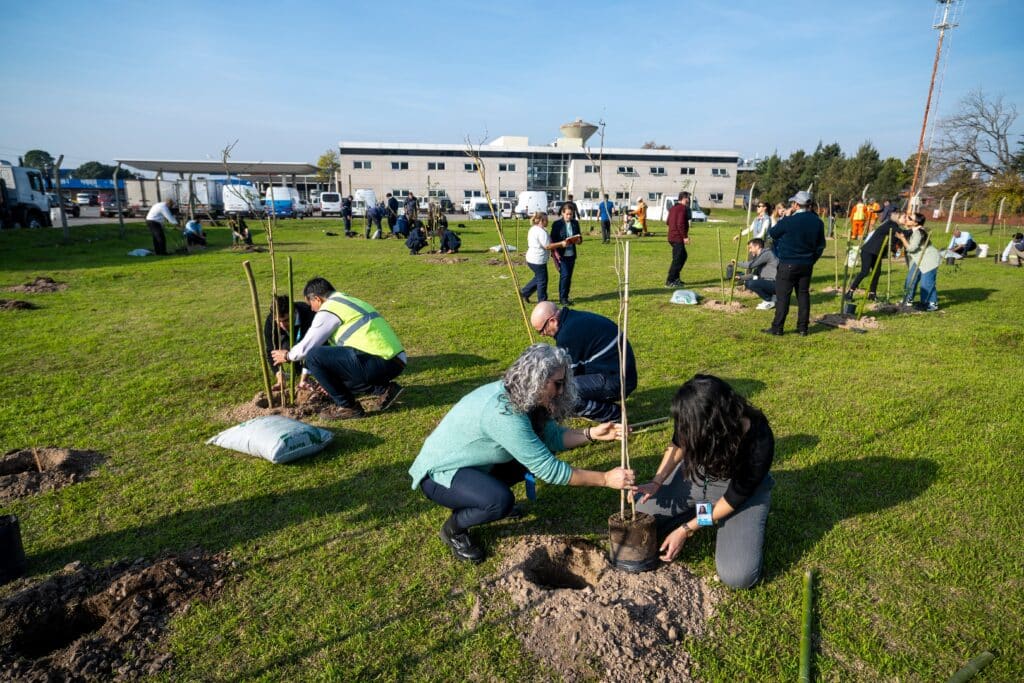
x=483 y=430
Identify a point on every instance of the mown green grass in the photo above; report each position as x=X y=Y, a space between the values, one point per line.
x=898 y=465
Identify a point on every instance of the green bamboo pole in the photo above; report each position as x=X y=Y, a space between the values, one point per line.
x=835 y=238
x=262 y=348
x=971 y=669
x=805 y=631
x=291 y=329
x=721 y=268
x=735 y=265
x=878 y=264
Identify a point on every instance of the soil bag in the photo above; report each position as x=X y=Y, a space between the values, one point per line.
x=274 y=437
x=684 y=296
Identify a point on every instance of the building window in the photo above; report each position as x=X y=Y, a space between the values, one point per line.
x=720 y=172
x=620 y=195
x=469 y=194
x=364 y=165
x=657 y=170
x=592 y=193
x=716 y=196
x=654 y=196
x=435 y=165
x=472 y=168
x=399 y=165
x=688 y=170
x=626 y=170
x=400 y=193
x=502 y=168
x=437 y=193
x=591 y=168
x=507 y=194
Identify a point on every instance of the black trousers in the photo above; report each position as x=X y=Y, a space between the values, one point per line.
x=790 y=276
x=477 y=497
x=678 y=261
x=156 y=229
x=867 y=262
x=606 y=231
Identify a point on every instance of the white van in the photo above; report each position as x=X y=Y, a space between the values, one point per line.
x=505 y=208
x=479 y=208
x=659 y=212
x=531 y=202
x=330 y=203
x=242 y=198
x=284 y=201
x=362 y=199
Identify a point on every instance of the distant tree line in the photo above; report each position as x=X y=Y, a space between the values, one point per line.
x=90 y=170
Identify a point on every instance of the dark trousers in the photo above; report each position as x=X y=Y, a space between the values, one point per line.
x=194 y=240
x=477 y=497
x=599 y=397
x=344 y=372
x=565 y=268
x=763 y=288
x=606 y=231
x=678 y=261
x=156 y=229
x=790 y=276
x=867 y=262
x=348 y=224
x=539 y=283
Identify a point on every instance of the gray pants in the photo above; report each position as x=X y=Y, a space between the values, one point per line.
x=739 y=547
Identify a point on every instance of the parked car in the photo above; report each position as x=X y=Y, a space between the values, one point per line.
x=108 y=208
x=479 y=209
x=70 y=208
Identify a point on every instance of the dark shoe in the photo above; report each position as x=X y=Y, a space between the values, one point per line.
x=567 y=302
x=872 y=296
x=675 y=283
x=336 y=412
x=802 y=333
x=525 y=298
x=518 y=511
x=848 y=296
x=461 y=544
x=774 y=333
x=391 y=392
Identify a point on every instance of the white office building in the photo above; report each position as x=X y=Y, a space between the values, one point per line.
x=565 y=167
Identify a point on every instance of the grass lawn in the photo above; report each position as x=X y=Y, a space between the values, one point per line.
x=898 y=462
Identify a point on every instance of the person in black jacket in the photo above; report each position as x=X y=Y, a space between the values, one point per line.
x=392 y=212
x=871 y=251
x=275 y=330
x=567 y=229
x=417 y=238
x=592 y=342
x=346 y=215
x=450 y=242
x=799 y=240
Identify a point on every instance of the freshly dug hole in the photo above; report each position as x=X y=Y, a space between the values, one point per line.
x=40 y=285
x=20 y=475
x=15 y=304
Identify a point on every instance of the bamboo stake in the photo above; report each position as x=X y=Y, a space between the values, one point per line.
x=624 y=459
x=878 y=263
x=805 y=631
x=651 y=423
x=835 y=239
x=261 y=346
x=973 y=667
x=721 y=268
x=291 y=330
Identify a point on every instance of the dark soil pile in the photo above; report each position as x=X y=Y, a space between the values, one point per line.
x=516 y=261
x=308 y=404
x=41 y=285
x=247 y=248
x=589 y=621
x=15 y=304
x=738 y=293
x=849 y=322
x=715 y=305
x=102 y=624
x=891 y=309
x=446 y=259
x=20 y=473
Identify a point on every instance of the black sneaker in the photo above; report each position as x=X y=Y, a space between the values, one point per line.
x=336 y=412
x=463 y=547
x=774 y=333
x=390 y=394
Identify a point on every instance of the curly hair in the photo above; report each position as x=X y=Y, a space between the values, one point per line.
x=526 y=379
x=708 y=418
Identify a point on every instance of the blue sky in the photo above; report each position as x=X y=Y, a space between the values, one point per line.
x=181 y=80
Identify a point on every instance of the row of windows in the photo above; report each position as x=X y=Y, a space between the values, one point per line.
x=657 y=170
x=588 y=194
x=366 y=165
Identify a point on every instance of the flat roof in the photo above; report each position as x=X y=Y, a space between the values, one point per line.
x=254 y=168
x=610 y=153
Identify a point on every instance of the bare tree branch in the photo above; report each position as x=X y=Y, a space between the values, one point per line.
x=977 y=136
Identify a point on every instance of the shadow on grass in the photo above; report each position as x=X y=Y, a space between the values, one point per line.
x=447 y=361
x=790 y=445
x=652 y=403
x=956 y=297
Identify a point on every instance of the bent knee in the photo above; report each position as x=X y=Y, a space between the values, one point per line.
x=739 y=578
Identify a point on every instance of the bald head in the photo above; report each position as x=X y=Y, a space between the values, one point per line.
x=541 y=317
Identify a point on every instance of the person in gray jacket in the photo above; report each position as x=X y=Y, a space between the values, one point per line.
x=760 y=275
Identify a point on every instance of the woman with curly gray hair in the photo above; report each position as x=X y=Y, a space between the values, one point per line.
x=496 y=434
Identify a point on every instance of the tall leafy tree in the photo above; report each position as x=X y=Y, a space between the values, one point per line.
x=95 y=170
x=38 y=158
x=327 y=166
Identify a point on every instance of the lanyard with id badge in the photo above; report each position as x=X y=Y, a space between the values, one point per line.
x=704 y=508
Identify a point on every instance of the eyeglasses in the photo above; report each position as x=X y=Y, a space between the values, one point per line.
x=545 y=325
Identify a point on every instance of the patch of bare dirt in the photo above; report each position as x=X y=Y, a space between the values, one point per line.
x=723 y=306
x=891 y=309
x=849 y=322
x=446 y=259
x=516 y=261
x=32 y=470
x=103 y=624
x=16 y=304
x=41 y=285
x=247 y=248
x=309 y=403
x=834 y=290
x=738 y=293
x=588 y=621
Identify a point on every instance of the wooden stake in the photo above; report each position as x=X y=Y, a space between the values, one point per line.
x=261 y=346
x=291 y=330
x=624 y=459
x=35 y=456
x=721 y=268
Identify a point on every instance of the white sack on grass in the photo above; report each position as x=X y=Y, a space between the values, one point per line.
x=274 y=437
x=497 y=248
x=684 y=296
x=140 y=252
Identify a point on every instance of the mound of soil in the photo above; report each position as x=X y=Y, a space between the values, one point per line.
x=715 y=305
x=20 y=473
x=15 y=304
x=247 y=248
x=102 y=624
x=516 y=261
x=849 y=322
x=738 y=293
x=41 y=285
x=891 y=309
x=589 y=621
x=446 y=259
x=833 y=290
x=308 y=404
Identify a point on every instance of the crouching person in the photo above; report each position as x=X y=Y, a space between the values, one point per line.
x=496 y=434
x=349 y=349
x=714 y=474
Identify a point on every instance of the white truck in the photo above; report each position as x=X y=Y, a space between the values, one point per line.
x=659 y=212
x=207 y=194
x=23 y=199
x=241 y=197
x=362 y=199
x=531 y=202
x=142 y=193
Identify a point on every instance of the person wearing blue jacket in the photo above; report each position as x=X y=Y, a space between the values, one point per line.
x=799 y=240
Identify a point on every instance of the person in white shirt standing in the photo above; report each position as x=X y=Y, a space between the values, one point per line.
x=538 y=246
x=159 y=214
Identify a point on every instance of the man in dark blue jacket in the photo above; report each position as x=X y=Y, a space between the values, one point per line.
x=799 y=242
x=592 y=343
x=566 y=229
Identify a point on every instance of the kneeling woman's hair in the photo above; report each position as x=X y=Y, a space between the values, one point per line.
x=708 y=417
x=527 y=377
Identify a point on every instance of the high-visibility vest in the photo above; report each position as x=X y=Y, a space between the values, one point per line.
x=361 y=327
x=858 y=212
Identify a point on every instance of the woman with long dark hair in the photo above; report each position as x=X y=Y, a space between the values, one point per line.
x=715 y=473
x=496 y=434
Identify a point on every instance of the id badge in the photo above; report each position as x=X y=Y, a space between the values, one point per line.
x=704 y=514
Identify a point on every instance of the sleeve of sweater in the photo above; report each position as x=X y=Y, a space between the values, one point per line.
x=819 y=247
x=512 y=431
x=759 y=449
